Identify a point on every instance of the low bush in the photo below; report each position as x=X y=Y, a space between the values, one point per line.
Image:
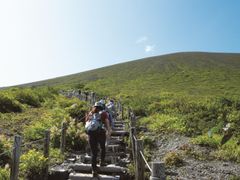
x=29 y=97
x=229 y=151
x=163 y=123
x=5 y=146
x=76 y=138
x=4 y=173
x=8 y=104
x=173 y=159
x=32 y=165
x=205 y=140
x=77 y=110
x=55 y=157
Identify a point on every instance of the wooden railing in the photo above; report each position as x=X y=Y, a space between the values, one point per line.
x=157 y=169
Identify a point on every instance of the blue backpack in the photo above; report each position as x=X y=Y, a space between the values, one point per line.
x=94 y=123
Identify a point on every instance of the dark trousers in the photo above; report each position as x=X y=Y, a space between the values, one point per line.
x=95 y=138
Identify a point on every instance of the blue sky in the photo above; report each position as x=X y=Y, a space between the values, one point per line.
x=41 y=39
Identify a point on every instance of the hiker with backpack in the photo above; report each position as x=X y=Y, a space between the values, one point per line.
x=98 y=129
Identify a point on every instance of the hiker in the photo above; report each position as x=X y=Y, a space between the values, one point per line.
x=110 y=108
x=98 y=129
x=108 y=111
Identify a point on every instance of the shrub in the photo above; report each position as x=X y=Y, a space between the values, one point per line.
x=77 y=110
x=55 y=157
x=229 y=151
x=4 y=146
x=8 y=104
x=173 y=159
x=37 y=129
x=4 y=173
x=76 y=138
x=27 y=96
x=205 y=140
x=32 y=165
x=163 y=123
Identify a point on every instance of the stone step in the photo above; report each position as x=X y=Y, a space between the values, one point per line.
x=119 y=126
x=119 y=133
x=115 y=141
x=81 y=176
x=118 y=129
x=108 y=159
x=58 y=173
x=109 y=169
x=121 y=121
x=114 y=148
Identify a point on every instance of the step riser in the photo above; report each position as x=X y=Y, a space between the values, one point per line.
x=78 y=176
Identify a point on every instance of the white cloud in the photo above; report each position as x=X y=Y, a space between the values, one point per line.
x=142 y=39
x=149 y=48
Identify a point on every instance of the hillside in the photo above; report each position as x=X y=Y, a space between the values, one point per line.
x=182 y=103
x=189 y=73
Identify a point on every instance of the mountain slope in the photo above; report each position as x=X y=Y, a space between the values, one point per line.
x=194 y=73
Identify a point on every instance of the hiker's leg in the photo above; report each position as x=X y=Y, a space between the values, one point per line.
x=102 y=141
x=94 y=149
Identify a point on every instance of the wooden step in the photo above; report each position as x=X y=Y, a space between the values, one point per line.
x=118 y=129
x=108 y=159
x=109 y=169
x=119 y=126
x=81 y=176
x=119 y=133
x=115 y=141
x=114 y=148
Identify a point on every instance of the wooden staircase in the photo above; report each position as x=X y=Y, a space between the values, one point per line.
x=78 y=166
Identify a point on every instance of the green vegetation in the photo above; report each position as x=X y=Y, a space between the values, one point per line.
x=187 y=93
x=42 y=108
x=4 y=173
x=173 y=159
x=32 y=165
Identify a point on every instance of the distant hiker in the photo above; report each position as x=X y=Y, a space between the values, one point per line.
x=98 y=128
x=108 y=111
x=110 y=108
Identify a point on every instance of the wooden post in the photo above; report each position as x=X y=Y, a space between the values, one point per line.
x=93 y=98
x=122 y=112
x=133 y=120
x=16 y=158
x=158 y=171
x=129 y=113
x=132 y=139
x=139 y=161
x=63 y=137
x=46 y=152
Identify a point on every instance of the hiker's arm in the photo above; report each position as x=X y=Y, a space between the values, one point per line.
x=108 y=126
x=87 y=116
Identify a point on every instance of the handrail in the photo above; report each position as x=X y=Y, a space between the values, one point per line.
x=32 y=142
x=5 y=152
x=145 y=161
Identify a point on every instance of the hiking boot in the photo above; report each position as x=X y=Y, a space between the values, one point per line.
x=94 y=173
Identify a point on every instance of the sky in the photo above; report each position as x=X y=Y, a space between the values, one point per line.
x=42 y=39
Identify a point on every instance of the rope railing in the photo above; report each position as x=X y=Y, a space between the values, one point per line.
x=157 y=169
x=6 y=152
x=32 y=142
x=150 y=169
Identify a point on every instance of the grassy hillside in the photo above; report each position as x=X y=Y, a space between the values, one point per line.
x=194 y=74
